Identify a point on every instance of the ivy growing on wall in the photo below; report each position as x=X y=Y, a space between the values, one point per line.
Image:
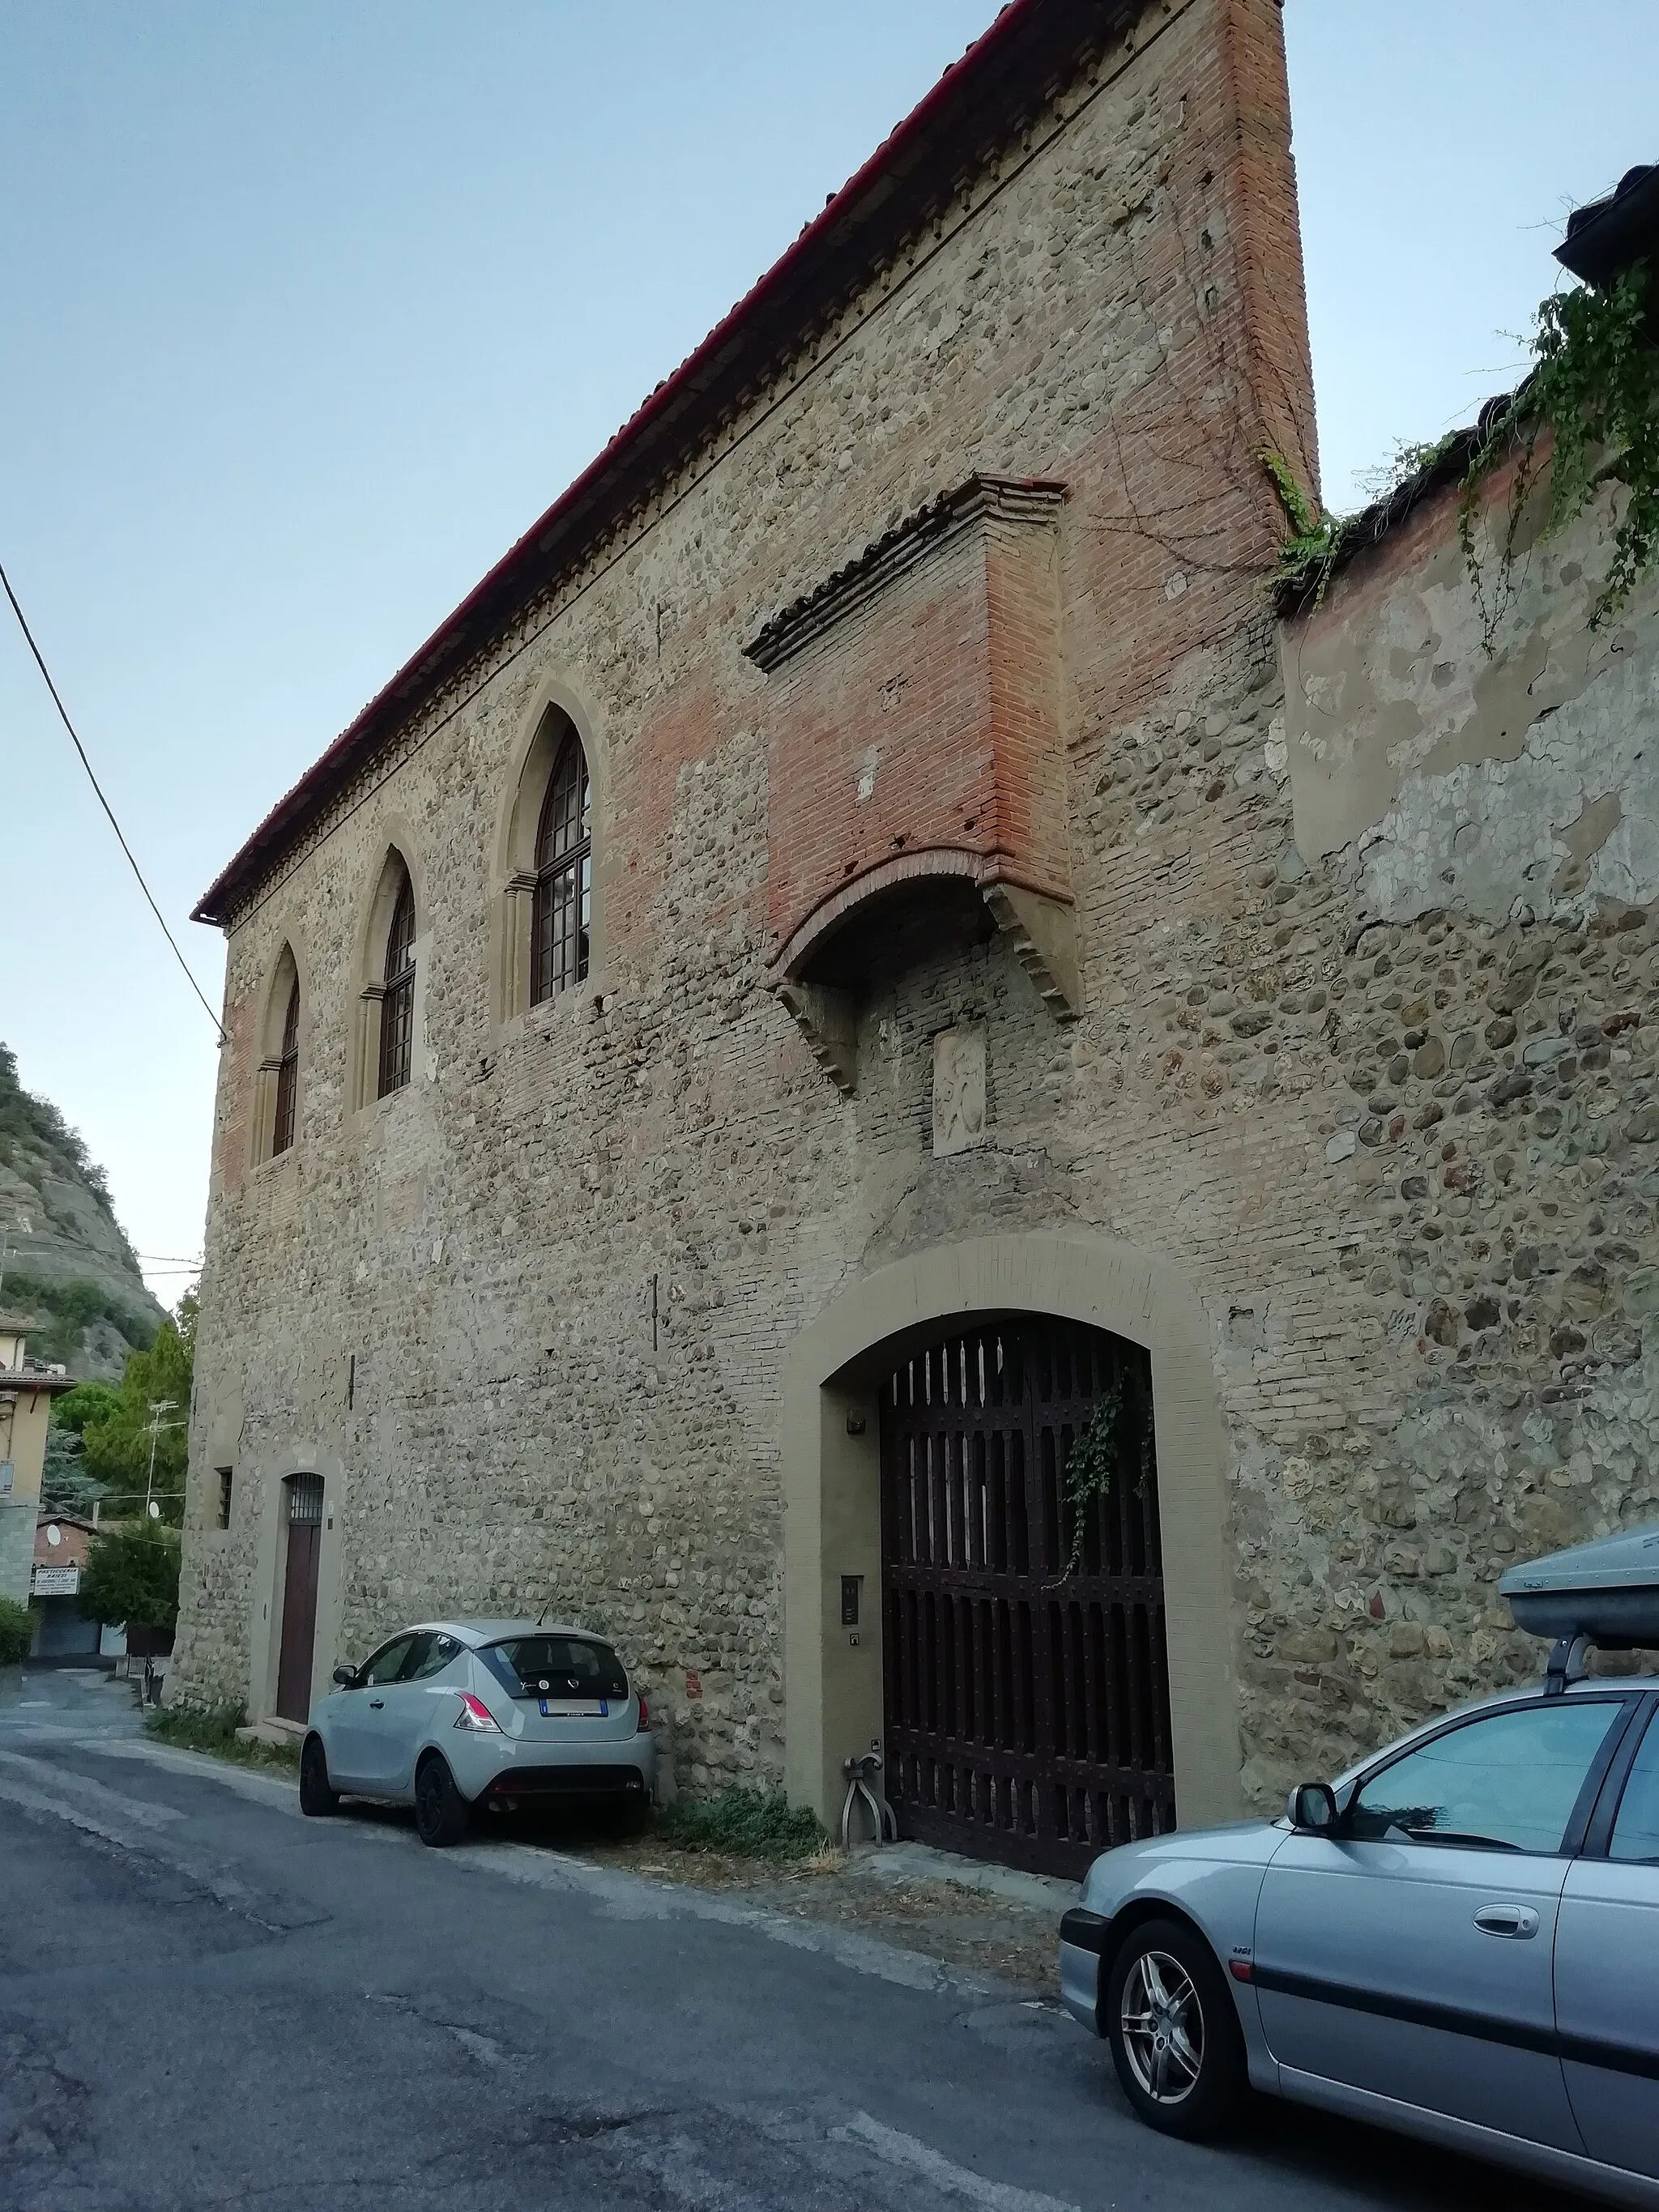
x=1594 y=389
x=1592 y=393
x=1093 y=1463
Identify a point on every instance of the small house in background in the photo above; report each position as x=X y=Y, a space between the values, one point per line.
x=27 y=1390
x=63 y=1545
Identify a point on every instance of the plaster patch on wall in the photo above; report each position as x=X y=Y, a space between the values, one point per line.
x=1519 y=777
x=1575 y=817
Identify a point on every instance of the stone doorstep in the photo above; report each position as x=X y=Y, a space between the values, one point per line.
x=272 y=1731
x=911 y=1862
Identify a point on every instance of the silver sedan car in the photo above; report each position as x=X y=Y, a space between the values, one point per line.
x=1459 y=1939
x=454 y=1716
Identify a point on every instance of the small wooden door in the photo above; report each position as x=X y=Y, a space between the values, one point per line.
x=304 y=1504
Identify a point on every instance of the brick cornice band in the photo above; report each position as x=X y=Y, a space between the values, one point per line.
x=981 y=499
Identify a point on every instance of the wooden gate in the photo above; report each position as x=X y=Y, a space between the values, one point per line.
x=1027 y=1686
x=303 y=1499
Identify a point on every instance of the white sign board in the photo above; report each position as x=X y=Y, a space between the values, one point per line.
x=57 y=1581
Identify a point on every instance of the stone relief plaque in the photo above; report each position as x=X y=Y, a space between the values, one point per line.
x=958 y=1090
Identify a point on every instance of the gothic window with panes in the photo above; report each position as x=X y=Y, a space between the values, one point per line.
x=288 y=1075
x=397 y=998
x=561 y=915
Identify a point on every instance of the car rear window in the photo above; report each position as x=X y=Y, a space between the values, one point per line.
x=556 y=1667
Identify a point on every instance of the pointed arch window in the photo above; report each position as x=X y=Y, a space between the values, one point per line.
x=562 y=910
x=397 y=995
x=288 y=1075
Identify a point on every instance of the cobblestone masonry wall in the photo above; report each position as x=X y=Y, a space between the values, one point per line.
x=1398 y=1140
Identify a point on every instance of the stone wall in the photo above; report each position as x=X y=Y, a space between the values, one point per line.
x=1463 y=1380
x=1289 y=1081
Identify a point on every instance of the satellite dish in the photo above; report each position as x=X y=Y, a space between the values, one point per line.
x=54 y=1534
x=154 y=1510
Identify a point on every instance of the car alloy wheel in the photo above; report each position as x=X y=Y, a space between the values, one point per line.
x=1162 y=2021
x=1172 y=2021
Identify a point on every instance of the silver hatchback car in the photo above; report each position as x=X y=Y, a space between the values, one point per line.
x=450 y=1715
x=1459 y=1938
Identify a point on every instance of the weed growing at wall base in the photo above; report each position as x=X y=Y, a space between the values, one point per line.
x=212 y=1729
x=757 y=1823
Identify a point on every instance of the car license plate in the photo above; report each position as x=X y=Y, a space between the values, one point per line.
x=591 y=1709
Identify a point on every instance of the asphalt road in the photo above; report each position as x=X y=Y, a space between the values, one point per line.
x=205 y=2001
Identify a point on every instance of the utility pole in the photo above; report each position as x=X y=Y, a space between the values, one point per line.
x=157 y=1407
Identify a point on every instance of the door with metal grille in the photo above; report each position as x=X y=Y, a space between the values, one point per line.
x=303 y=1499
x=1027 y=1687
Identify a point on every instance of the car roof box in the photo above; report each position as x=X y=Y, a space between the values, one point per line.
x=1607 y=1591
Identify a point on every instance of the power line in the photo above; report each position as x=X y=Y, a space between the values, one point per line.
x=62 y=712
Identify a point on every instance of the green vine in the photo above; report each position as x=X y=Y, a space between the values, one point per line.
x=1309 y=556
x=1594 y=387
x=1091 y=1465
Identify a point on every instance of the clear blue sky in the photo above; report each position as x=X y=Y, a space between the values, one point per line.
x=310 y=308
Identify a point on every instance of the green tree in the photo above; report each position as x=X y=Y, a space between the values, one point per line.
x=17 y=1632
x=65 y=1482
x=117 y=1442
x=132 y=1579
x=86 y=1402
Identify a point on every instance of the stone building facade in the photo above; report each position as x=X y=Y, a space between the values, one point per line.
x=1016 y=972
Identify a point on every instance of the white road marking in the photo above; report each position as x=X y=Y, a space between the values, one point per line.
x=32 y=1801
x=18 y=1772
x=917 y=2157
x=264 y=1789
x=633 y=1897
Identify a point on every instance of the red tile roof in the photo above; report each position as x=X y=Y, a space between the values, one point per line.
x=1006 y=78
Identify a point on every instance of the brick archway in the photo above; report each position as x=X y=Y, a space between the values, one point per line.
x=835 y=1694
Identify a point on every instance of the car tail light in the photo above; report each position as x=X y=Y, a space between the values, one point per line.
x=645 y=1716
x=476 y=1716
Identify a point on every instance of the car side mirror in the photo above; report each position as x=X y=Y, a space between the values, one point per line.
x=1311 y=1809
x=346 y=1677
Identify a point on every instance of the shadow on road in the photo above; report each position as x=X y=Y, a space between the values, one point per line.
x=1311 y=2151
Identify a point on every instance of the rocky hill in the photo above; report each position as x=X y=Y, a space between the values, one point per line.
x=68 y=1269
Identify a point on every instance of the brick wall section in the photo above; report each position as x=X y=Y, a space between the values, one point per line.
x=1026 y=709
x=1262 y=202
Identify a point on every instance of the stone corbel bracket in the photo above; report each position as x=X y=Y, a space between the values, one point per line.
x=1042 y=931
x=829 y=1020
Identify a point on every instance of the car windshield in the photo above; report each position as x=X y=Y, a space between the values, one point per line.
x=556 y=1667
